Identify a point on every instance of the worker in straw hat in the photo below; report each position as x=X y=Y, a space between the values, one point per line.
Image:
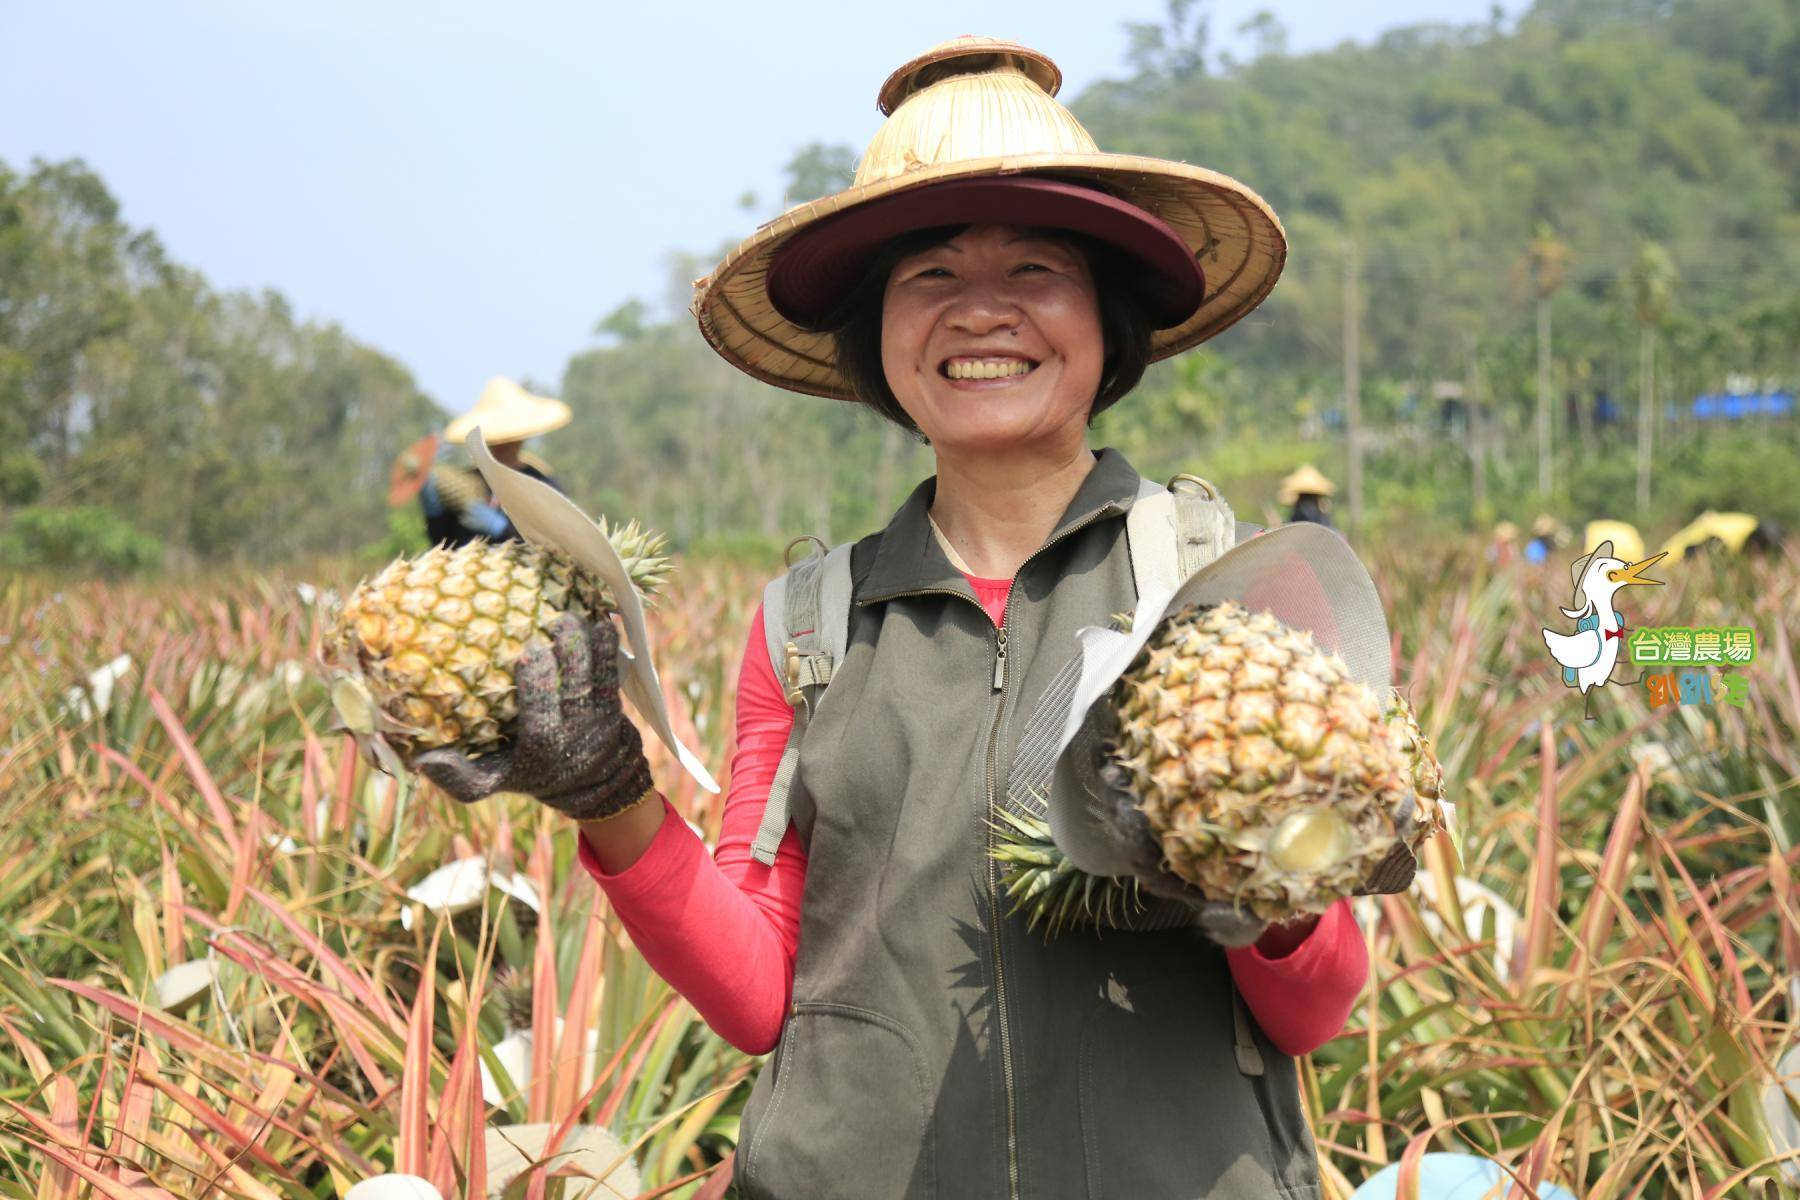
x=458 y=507
x=1547 y=533
x=1308 y=494
x=991 y=281
x=1503 y=544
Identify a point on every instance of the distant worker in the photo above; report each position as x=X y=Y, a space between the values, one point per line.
x=1729 y=533
x=458 y=507
x=1503 y=544
x=1546 y=533
x=1310 y=493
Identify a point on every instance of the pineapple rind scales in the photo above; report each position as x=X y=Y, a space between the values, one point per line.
x=437 y=637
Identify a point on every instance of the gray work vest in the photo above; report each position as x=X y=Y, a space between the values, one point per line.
x=935 y=1047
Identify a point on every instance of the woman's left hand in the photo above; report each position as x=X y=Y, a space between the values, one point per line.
x=1395 y=872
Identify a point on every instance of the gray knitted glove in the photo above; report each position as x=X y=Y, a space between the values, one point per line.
x=572 y=747
x=1395 y=872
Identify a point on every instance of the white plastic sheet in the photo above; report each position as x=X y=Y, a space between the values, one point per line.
x=550 y=519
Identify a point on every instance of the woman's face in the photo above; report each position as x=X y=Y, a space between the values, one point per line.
x=992 y=340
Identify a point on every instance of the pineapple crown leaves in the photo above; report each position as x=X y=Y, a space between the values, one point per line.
x=1049 y=889
x=641 y=550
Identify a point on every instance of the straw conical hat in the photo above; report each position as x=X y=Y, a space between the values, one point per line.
x=976 y=108
x=507 y=412
x=1307 y=481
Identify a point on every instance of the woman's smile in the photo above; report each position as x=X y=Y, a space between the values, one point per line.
x=987 y=371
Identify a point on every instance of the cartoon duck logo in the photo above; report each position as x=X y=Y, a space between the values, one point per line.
x=1589 y=654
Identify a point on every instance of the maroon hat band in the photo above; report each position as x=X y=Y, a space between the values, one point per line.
x=811 y=273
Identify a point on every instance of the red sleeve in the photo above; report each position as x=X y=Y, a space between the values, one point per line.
x=1302 y=999
x=723 y=930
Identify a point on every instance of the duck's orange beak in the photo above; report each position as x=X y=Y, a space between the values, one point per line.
x=1631 y=574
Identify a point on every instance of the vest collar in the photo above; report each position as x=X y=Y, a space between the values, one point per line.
x=908 y=559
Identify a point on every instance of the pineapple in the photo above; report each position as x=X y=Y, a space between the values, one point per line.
x=423 y=652
x=1267 y=775
x=1422 y=771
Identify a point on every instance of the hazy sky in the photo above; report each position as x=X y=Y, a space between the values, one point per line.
x=470 y=186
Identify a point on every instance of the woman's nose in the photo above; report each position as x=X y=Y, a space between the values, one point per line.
x=980 y=312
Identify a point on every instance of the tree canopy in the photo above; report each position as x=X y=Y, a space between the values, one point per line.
x=1626 y=163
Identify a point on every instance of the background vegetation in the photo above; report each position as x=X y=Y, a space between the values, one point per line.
x=1601 y=994
x=1628 y=170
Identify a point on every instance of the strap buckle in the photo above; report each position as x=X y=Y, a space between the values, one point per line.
x=794 y=695
x=804 y=670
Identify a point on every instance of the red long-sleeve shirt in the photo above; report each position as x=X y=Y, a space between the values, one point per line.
x=723 y=929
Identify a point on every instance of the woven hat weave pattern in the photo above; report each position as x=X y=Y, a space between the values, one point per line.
x=981 y=107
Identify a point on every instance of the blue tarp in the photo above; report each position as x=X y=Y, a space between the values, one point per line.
x=1726 y=406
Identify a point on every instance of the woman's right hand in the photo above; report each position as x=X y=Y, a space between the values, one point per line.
x=572 y=747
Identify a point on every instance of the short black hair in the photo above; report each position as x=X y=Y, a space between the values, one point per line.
x=1125 y=320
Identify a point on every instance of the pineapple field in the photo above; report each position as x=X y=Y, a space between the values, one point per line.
x=236 y=962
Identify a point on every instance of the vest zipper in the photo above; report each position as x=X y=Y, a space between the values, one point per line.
x=995 y=916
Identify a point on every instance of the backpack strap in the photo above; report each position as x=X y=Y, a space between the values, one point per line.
x=1170 y=532
x=806 y=627
x=1174 y=531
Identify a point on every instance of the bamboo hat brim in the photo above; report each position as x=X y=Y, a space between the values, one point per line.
x=507 y=412
x=976 y=107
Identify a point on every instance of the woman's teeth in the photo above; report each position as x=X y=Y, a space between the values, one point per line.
x=986 y=368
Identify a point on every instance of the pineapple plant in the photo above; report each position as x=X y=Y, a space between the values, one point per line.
x=1266 y=774
x=422 y=654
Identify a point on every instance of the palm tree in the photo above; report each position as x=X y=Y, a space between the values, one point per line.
x=1549 y=259
x=1653 y=278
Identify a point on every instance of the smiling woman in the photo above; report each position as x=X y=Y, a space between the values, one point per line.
x=990 y=281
